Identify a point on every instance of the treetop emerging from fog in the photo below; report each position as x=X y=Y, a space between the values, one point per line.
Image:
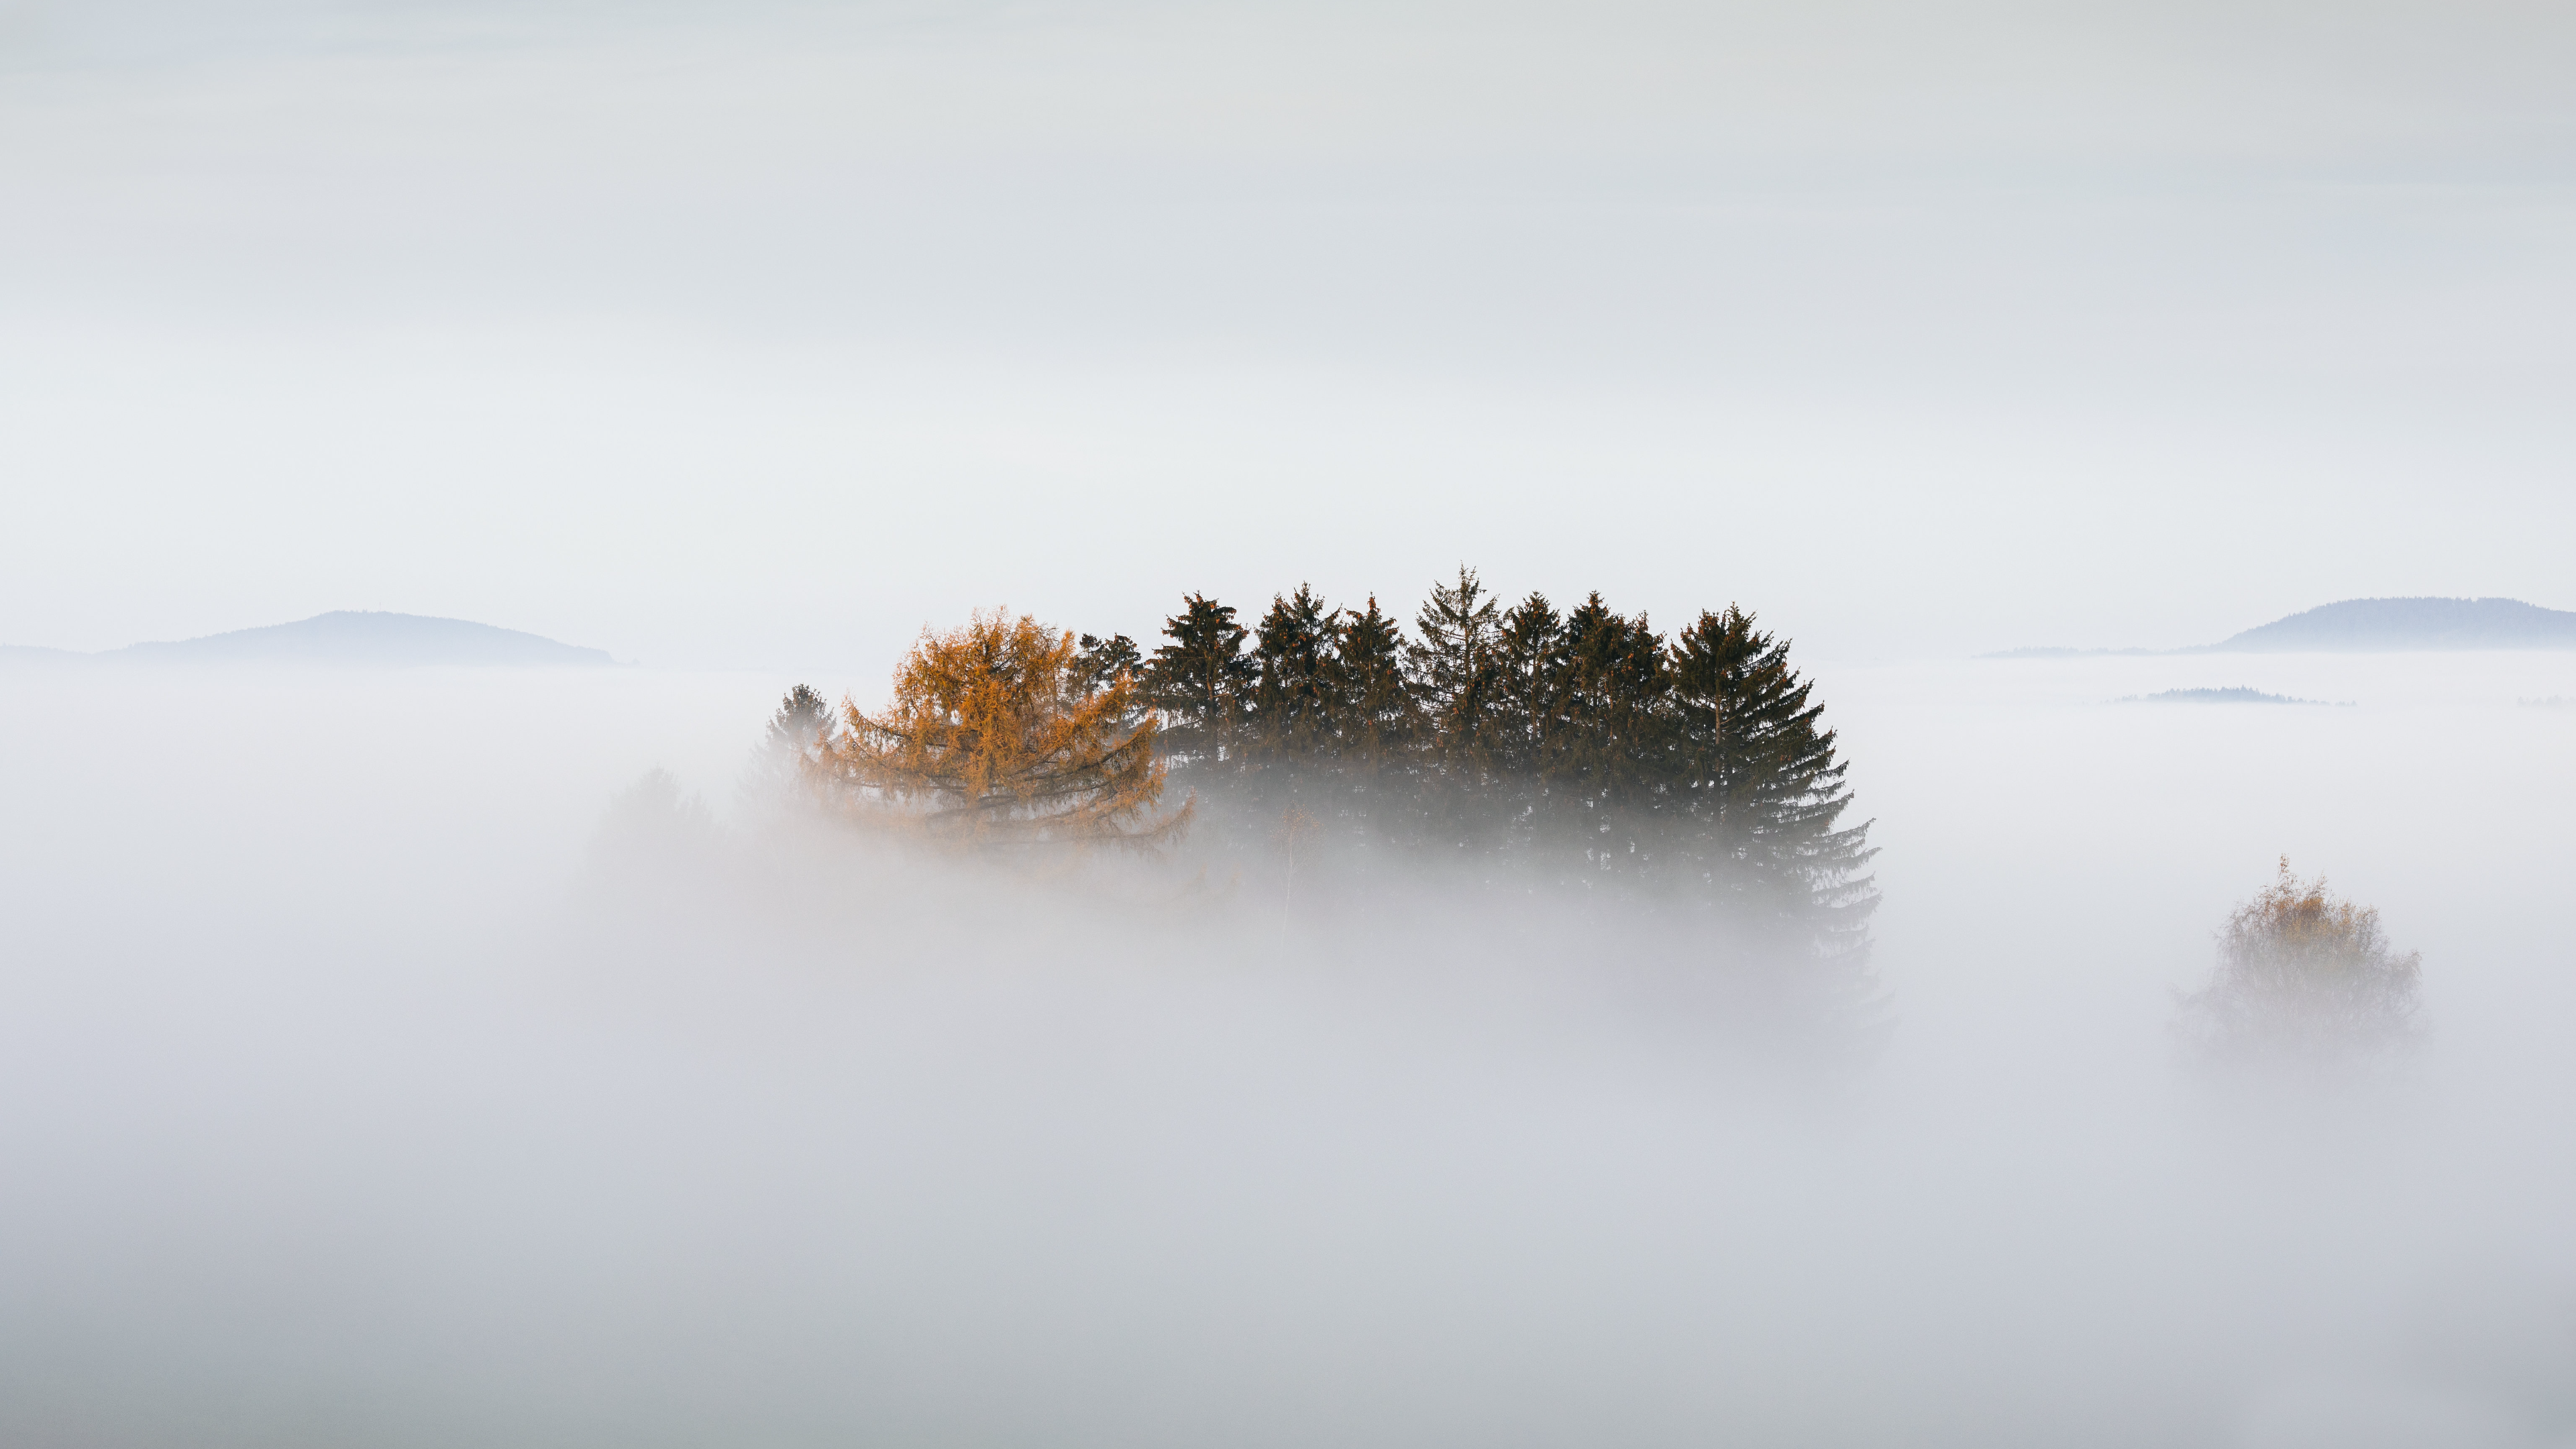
x=999 y=736
x=2305 y=979
x=1537 y=750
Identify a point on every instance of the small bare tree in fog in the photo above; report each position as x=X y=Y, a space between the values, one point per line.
x=1002 y=734
x=2304 y=978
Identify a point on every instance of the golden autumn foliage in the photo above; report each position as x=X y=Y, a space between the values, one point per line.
x=2304 y=976
x=995 y=738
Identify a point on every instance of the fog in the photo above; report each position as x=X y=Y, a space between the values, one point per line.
x=359 y=1085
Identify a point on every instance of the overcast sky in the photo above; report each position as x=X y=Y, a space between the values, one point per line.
x=759 y=335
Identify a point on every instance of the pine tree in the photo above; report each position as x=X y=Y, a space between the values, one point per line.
x=993 y=738
x=1454 y=671
x=1528 y=698
x=797 y=733
x=1099 y=661
x=1291 y=728
x=1759 y=790
x=802 y=725
x=1611 y=761
x=1380 y=725
x=1198 y=681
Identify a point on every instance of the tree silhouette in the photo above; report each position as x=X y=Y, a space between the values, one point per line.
x=1378 y=724
x=1455 y=671
x=1292 y=722
x=1099 y=661
x=1758 y=788
x=1198 y=681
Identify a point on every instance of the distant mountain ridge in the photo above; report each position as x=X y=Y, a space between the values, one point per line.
x=345 y=639
x=2379 y=626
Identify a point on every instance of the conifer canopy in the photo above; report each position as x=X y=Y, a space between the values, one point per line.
x=1551 y=751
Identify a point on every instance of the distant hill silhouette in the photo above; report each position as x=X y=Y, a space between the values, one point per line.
x=344 y=639
x=2377 y=626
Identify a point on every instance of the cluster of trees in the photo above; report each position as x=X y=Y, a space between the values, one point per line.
x=1577 y=747
x=1579 y=750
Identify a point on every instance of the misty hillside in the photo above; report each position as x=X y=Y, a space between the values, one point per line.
x=346 y=638
x=2367 y=626
x=2375 y=626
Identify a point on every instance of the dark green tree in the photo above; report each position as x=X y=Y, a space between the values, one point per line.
x=1380 y=724
x=1097 y=662
x=1760 y=792
x=1198 y=682
x=1609 y=768
x=1454 y=670
x=1291 y=722
x=1529 y=706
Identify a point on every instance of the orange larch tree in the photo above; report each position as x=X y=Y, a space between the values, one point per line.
x=998 y=736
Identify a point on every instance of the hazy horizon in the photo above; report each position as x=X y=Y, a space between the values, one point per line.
x=2379 y=634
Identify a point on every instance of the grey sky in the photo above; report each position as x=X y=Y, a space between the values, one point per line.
x=764 y=334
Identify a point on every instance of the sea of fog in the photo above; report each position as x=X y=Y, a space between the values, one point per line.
x=357 y=1089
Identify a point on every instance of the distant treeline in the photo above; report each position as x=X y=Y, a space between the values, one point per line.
x=1540 y=749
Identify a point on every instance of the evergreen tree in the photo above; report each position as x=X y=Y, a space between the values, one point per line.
x=1379 y=724
x=1099 y=661
x=1610 y=766
x=803 y=721
x=796 y=736
x=1198 y=681
x=1531 y=664
x=1454 y=670
x=1292 y=720
x=1759 y=790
